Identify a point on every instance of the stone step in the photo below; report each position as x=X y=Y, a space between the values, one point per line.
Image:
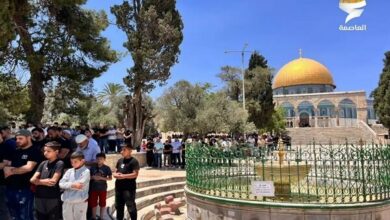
x=147 y=213
x=160 y=181
x=146 y=201
x=159 y=188
x=151 y=183
x=158 y=197
x=303 y=136
x=149 y=192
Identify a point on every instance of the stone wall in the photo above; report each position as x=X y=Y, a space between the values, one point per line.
x=202 y=208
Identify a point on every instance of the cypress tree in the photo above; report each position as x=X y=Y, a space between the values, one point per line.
x=382 y=94
x=257 y=60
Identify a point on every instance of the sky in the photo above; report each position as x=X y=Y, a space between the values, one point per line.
x=277 y=30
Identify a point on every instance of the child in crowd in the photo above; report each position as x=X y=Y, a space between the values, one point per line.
x=47 y=194
x=126 y=173
x=100 y=174
x=76 y=185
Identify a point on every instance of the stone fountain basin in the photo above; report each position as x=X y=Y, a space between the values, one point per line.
x=285 y=173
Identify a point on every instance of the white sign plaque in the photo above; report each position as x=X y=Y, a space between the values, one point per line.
x=263 y=188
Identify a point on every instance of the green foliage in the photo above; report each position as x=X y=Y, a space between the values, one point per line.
x=257 y=60
x=221 y=115
x=14 y=100
x=154 y=33
x=100 y=114
x=108 y=108
x=231 y=76
x=111 y=94
x=178 y=106
x=382 y=94
x=61 y=101
x=260 y=98
x=193 y=108
x=58 y=42
x=278 y=124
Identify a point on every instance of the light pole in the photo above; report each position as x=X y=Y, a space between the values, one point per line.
x=243 y=51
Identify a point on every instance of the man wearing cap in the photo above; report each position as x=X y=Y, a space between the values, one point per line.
x=88 y=148
x=7 y=148
x=20 y=167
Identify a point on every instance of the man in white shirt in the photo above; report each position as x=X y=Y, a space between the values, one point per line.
x=176 y=146
x=158 y=150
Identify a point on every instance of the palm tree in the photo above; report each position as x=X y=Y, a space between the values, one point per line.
x=111 y=93
x=112 y=98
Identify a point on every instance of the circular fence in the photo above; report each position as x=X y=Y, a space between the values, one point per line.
x=312 y=174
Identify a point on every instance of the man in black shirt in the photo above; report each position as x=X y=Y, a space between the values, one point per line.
x=126 y=173
x=149 y=152
x=38 y=138
x=7 y=148
x=20 y=168
x=54 y=134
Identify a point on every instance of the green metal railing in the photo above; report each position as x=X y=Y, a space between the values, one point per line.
x=312 y=174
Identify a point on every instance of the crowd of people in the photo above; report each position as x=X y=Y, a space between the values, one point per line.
x=170 y=153
x=58 y=172
x=55 y=172
x=108 y=138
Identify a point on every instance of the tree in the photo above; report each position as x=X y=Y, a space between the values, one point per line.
x=231 y=76
x=179 y=105
x=278 y=125
x=100 y=114
x=154 y=33
x=260 y=98
x=382 y=94
x=219 y=114
x=257 y=60
x=194 y=109
x=57 y=42
x=111 y=93
x=63 y=99
x=14 y=99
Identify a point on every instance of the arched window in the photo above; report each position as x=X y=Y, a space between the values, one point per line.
x=326 y=108
x=288 y=109
x=347 y=109
x=306 y=106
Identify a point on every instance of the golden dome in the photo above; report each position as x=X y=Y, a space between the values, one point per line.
x=303 y=71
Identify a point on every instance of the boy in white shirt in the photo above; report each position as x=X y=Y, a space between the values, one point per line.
x=75 y=182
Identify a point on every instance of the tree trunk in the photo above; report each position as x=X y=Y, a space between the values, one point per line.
x=35 y=63
x=37 y=97
x=135 y=117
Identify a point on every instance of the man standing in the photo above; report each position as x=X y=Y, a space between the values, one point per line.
x=158 y=150
x=126 y=173
x=89 y=135
x=20 y=168
x=88 y=148
x=7 y=148
x=38 y=138
x=149 y=152
x=176 y=147
x=54 y=134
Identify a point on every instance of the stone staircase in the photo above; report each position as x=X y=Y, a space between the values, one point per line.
x=337 y=135
x=379 y=129
x=150 y=192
